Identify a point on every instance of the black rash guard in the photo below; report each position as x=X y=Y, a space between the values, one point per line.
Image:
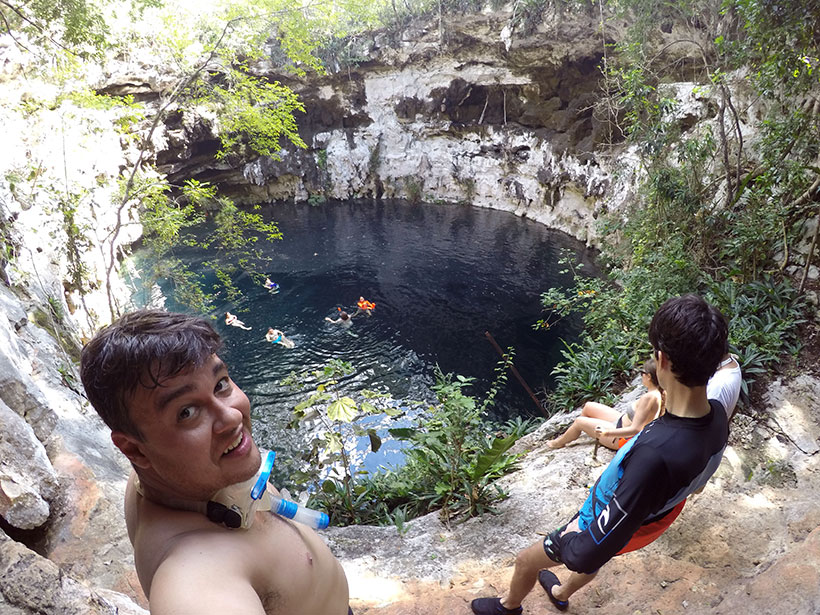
x=668 y=460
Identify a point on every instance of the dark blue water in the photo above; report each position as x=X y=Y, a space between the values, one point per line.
x=440 y=275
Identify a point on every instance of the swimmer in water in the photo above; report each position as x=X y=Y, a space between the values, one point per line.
x=273 y=287
x=344 y=319
x=231 y=319
x=364 y=306
x=275 y=336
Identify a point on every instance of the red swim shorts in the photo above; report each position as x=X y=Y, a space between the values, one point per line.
x=651 y=531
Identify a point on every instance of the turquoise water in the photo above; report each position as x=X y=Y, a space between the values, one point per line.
x=440 y=275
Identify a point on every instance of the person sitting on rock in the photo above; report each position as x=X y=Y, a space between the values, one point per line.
x=231 y=319
x=612 y=428
x=275 y=336
x=724 y=385
x=644 y=487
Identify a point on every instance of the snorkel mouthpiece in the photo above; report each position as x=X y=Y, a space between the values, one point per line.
x=235 y=506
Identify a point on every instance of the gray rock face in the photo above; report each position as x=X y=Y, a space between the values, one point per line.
x=17 y=389
x=27 y=479
x=31 y=584
x=509 y=128
x=60 y=474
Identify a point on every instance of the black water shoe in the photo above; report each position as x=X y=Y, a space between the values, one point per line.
x=492 y=606
x=548 y=580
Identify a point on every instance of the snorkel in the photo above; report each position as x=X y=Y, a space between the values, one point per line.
x=236 y=505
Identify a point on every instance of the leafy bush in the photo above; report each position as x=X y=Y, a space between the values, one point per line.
x=715 y=212
x=452 y=461
x=339 y=416
x=450 y=464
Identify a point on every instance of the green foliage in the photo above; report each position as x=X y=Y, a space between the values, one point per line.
x=413 y=187
x=339 y=415
x=63 y=25
x=713 y=213
x=77 y=241
x=780 y=40
x=452 y=461
x=321 y=160
x=450 y=464
x=8 y=247
x=173 y=218
x=254 y=115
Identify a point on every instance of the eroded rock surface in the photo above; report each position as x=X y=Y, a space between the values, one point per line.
x=749 y=543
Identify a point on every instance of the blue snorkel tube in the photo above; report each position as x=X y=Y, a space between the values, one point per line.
x=285 y=508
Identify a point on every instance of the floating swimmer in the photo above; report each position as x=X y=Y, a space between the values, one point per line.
x=363 y=305
x=273 y=287
x=344 y=319
x=231 y=319
x=275 y=336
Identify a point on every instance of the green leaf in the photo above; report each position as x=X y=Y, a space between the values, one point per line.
x=333 y=442
x=343 y=409
x=311 y=401
x=492 y=455
x=375 y=440
x=368 y=408
x=402 y=433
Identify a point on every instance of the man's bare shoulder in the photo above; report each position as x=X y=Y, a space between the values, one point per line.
x=205 y=572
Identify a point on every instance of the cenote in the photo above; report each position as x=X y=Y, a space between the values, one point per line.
x=440 y=276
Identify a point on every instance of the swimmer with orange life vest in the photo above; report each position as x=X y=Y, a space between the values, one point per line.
x=363 y=305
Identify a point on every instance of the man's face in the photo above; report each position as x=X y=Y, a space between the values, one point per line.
x=197 y=433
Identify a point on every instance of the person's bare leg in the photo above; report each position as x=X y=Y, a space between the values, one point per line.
x=581 y=425
x=595 y=410
x=575 y=582
x=570 y=435
x=527 y=564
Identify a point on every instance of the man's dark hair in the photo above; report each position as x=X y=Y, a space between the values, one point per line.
x=693 y=335
x=142 y=348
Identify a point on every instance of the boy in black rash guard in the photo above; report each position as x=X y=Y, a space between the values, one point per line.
x=646 y=484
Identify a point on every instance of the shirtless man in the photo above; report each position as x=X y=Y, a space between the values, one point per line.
x=156 y=380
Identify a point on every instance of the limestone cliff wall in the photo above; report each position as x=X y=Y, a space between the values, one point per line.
x=478 y=120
